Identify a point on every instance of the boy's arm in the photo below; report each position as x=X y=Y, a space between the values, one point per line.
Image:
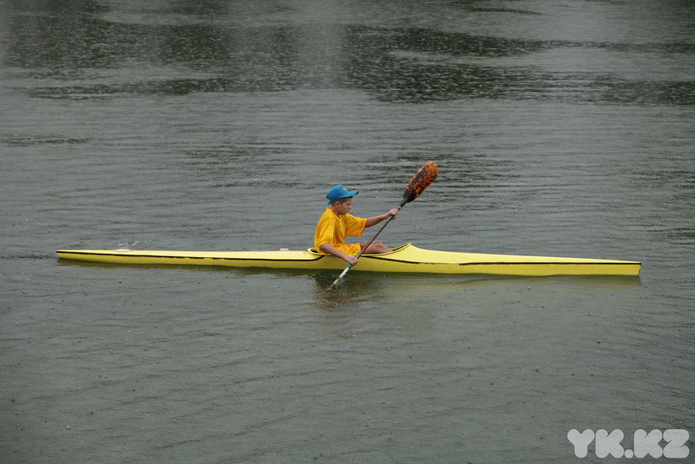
x=331 y=250
x=377 y=219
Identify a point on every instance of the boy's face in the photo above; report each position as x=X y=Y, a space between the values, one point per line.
x=342 y=207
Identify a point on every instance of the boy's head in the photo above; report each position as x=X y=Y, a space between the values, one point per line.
x=339 y=192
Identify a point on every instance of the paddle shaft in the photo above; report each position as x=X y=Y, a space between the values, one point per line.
x=349 y=266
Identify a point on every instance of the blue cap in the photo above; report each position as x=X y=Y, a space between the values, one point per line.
x=338 y=192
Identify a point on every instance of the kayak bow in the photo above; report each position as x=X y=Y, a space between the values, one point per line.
x=403 y=259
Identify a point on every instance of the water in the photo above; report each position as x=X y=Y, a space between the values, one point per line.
x=560 y=128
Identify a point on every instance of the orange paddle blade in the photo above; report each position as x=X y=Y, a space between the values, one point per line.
x=422 y=179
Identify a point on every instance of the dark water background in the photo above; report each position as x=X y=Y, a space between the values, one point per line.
x=561 y=128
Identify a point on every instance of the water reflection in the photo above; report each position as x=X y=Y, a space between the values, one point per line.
x=80 y=50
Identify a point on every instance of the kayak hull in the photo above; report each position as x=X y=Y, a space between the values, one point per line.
x=404 y=259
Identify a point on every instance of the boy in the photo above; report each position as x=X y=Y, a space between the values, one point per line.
x=336 y=224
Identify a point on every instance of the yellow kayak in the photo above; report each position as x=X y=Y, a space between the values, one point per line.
x=406 y=258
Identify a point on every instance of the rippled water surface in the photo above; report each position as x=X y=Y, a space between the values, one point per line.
x=560 y=128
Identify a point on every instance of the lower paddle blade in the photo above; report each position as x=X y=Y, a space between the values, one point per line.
x=422 y=179
x=336 y=282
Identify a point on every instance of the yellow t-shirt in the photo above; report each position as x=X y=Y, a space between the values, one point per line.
x=334 y=229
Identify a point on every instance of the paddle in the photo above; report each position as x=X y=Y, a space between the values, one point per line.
x=422 y=179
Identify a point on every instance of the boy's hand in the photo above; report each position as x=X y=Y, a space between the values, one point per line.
x=393 y=212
